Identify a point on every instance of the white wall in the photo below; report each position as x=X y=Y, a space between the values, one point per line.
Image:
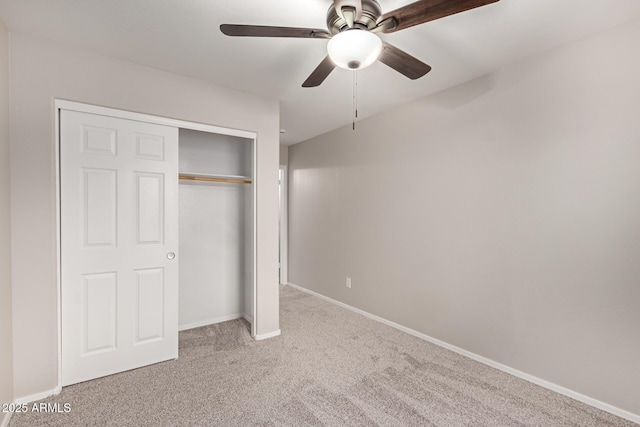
x=42 y=71
x=6 y=345
x=500 y=216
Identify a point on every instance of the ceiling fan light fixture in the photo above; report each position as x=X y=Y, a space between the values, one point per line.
x=354 y=49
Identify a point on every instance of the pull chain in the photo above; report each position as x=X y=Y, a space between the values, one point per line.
x=355 y=98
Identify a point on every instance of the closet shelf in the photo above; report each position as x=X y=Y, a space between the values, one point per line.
x=203 y=177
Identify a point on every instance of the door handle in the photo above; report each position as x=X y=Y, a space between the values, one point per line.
x=171 y=255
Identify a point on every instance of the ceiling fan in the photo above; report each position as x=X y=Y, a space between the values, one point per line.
x=352 y=32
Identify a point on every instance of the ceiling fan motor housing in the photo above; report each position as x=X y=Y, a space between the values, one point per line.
x=371 y=11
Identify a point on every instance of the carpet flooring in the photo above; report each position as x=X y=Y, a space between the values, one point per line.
x=329 y=367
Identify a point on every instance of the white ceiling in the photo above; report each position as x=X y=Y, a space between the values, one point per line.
x=183 y=36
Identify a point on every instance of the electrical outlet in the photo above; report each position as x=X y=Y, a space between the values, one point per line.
x=349 y=282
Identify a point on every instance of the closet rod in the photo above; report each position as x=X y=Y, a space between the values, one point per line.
x=214 y=179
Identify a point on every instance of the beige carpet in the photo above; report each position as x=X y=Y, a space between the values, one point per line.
x=330 y=367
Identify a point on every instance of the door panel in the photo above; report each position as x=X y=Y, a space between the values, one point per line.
x=149 y=207
x=149 y=147
x=99 y=205
x=99 y=140
x=150 y=309
x=119 y=220
x=99 y=312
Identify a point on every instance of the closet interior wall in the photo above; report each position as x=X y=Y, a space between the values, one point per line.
x=216 y=229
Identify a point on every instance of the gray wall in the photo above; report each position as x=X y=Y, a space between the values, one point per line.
x=284 y=154
x=42 y=71
x=501 y=216
x=6 y=344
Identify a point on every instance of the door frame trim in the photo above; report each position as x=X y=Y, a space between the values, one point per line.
x=61 y=104
x=284 y=225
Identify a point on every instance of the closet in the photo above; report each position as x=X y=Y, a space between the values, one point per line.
x=157 y=235
x=216 y=228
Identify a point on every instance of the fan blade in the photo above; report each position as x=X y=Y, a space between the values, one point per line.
x=402 y=62
x=426 y=10
x=320 y=73
x=267 y=31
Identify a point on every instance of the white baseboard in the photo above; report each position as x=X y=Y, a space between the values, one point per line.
x=213 y=321
x=267 y=335
x=523 y=375
x=6 y=419
x=28 y=399
x=38 y=396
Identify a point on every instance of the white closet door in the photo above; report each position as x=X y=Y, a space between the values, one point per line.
x=119 y=238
